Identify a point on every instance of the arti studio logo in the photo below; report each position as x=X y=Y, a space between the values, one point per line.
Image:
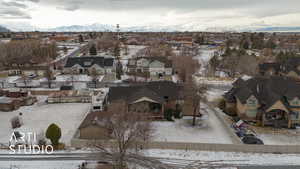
x=26 y=143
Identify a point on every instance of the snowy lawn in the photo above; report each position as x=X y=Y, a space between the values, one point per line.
x=182 y=156
x=38 y=117
x=40 y=164
x=208 y=130
x=214 y=94
x=82 y=78
x=204 y=57
x=272 y=136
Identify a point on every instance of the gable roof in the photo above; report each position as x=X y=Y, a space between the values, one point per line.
x=157 y=91
x=93 y=118
x=87 y=62
x=267 y=90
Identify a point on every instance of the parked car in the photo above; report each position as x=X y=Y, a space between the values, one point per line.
x=252 y=140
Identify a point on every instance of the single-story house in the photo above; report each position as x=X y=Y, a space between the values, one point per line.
x=152 y=98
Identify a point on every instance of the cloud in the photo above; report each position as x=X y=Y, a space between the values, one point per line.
x=201 y=12
x=254 y=8
x=14 y=4
x=35 y=1
x=71 y=5
x=13 y=13
x=14 y=9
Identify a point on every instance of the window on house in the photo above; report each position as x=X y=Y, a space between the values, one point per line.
x=88 y=63
x=97 y=107
x=251 y=102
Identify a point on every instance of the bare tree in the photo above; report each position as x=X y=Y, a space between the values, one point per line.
x=93 y=73
x=194 y=93
x=128 y=129
x=185 y=66
x=49 y=75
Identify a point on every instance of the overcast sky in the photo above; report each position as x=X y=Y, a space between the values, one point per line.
x=204 y=13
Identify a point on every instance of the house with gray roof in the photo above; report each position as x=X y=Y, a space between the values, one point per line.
x=89 y=65
x=273 y=100
x=152 y=97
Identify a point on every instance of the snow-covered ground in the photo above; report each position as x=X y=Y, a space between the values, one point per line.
x=280 y=139
x=204 y=57
x=40 y=164
x=66 y=78
x=38 y=117
x=213 y=94
x=214 y=81
x=272 y=136
x=210 y=130
x=227 y=157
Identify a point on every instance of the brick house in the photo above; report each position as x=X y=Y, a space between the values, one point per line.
x=152 y=98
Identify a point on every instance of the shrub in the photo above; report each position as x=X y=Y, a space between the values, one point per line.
x=168 y=114
x=178 y=112
x=15 y=122
x=41 y=140
x=54 y=134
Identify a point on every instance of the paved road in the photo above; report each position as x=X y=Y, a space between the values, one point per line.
x=269 y=167
x=152 y=162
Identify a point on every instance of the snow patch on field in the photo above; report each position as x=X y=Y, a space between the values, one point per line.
x=38 y=117
x=210 y=130
x=280 y=139
x=227 y=157
x=68 y=78
x=39 y=164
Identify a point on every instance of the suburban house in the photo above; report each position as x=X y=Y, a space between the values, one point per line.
x=150 y=65
x=290 y=68
x=270 y=101
x=152 y=98
x=89 y=65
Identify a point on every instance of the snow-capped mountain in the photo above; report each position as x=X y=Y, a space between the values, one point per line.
x=155 y=28
x=82 y=28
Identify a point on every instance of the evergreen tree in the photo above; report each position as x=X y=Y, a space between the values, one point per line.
x=54 y=134
x=93 y=50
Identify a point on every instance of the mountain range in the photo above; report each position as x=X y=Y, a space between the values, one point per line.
x=3 y=29
x=150 y=28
